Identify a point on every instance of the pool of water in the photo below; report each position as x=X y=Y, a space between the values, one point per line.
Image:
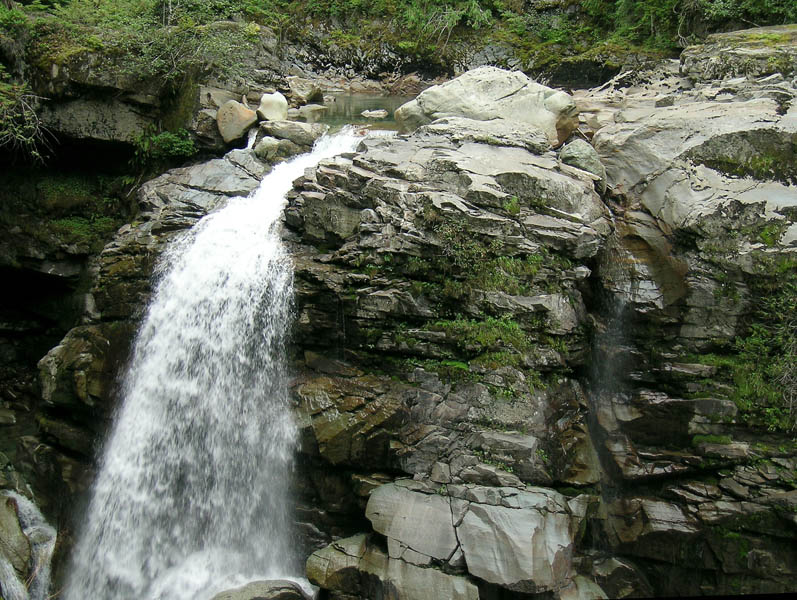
x=347 y=109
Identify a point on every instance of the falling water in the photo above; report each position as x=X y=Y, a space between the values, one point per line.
x=612 y=357
x=191 y=496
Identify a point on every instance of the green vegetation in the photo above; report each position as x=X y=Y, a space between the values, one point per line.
x=161 y=46
x=763 y=364
x=466 y=263
x=63 y=209
x=157 y=151
x=168 y=43
x=487 y=459
x=773 y=159
x=84 y=230
x=766 y=376
x=711 y=439
x=167 y=38
x=21 y=132
x=473 y=336
x=512 y=205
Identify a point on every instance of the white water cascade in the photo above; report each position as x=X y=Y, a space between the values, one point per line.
x=192 y=493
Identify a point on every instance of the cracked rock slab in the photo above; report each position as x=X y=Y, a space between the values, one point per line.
x=518 y=539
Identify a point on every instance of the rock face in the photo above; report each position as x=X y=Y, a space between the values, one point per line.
x=441 y=250
x=519 y=539
x=96 y=119
x=753 y=52
x=489 y=93
x=517 y=371
x=355 y=567
x=696 y=213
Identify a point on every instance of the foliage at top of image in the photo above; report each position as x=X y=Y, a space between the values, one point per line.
x=163 y=40
x=171 y=42
x=169 y=38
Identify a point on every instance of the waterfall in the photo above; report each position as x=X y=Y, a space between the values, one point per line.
x=192 y=492
x=611 y=361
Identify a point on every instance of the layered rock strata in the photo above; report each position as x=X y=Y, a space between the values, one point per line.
x=517 y=371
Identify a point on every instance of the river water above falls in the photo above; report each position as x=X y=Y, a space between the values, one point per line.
x=192 y=493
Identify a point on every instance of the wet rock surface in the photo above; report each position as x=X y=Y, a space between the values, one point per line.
x=680 y=184
x=506 y=373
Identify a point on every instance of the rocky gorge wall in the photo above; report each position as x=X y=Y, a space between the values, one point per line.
x=512 y=341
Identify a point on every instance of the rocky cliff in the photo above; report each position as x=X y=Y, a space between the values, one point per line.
x=555 y=381
x=544 y=343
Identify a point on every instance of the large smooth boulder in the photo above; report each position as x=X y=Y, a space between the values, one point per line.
x=421 y=522
x=234 y=120
x=273 y=107
x=302 y=134
x=490 y=93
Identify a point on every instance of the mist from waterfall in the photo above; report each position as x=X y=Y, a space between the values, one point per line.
x=192 y=492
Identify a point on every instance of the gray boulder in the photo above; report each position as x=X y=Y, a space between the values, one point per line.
x=374 y=114
x=273 y=107
x=267 y=148
x=310 y=113
x=582 y=155
x=305 y=90
x=490 y=93
x=302 y=134
x=497 y=132
x=421 y=522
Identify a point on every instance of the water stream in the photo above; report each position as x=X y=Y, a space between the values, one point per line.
x=191 y=495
